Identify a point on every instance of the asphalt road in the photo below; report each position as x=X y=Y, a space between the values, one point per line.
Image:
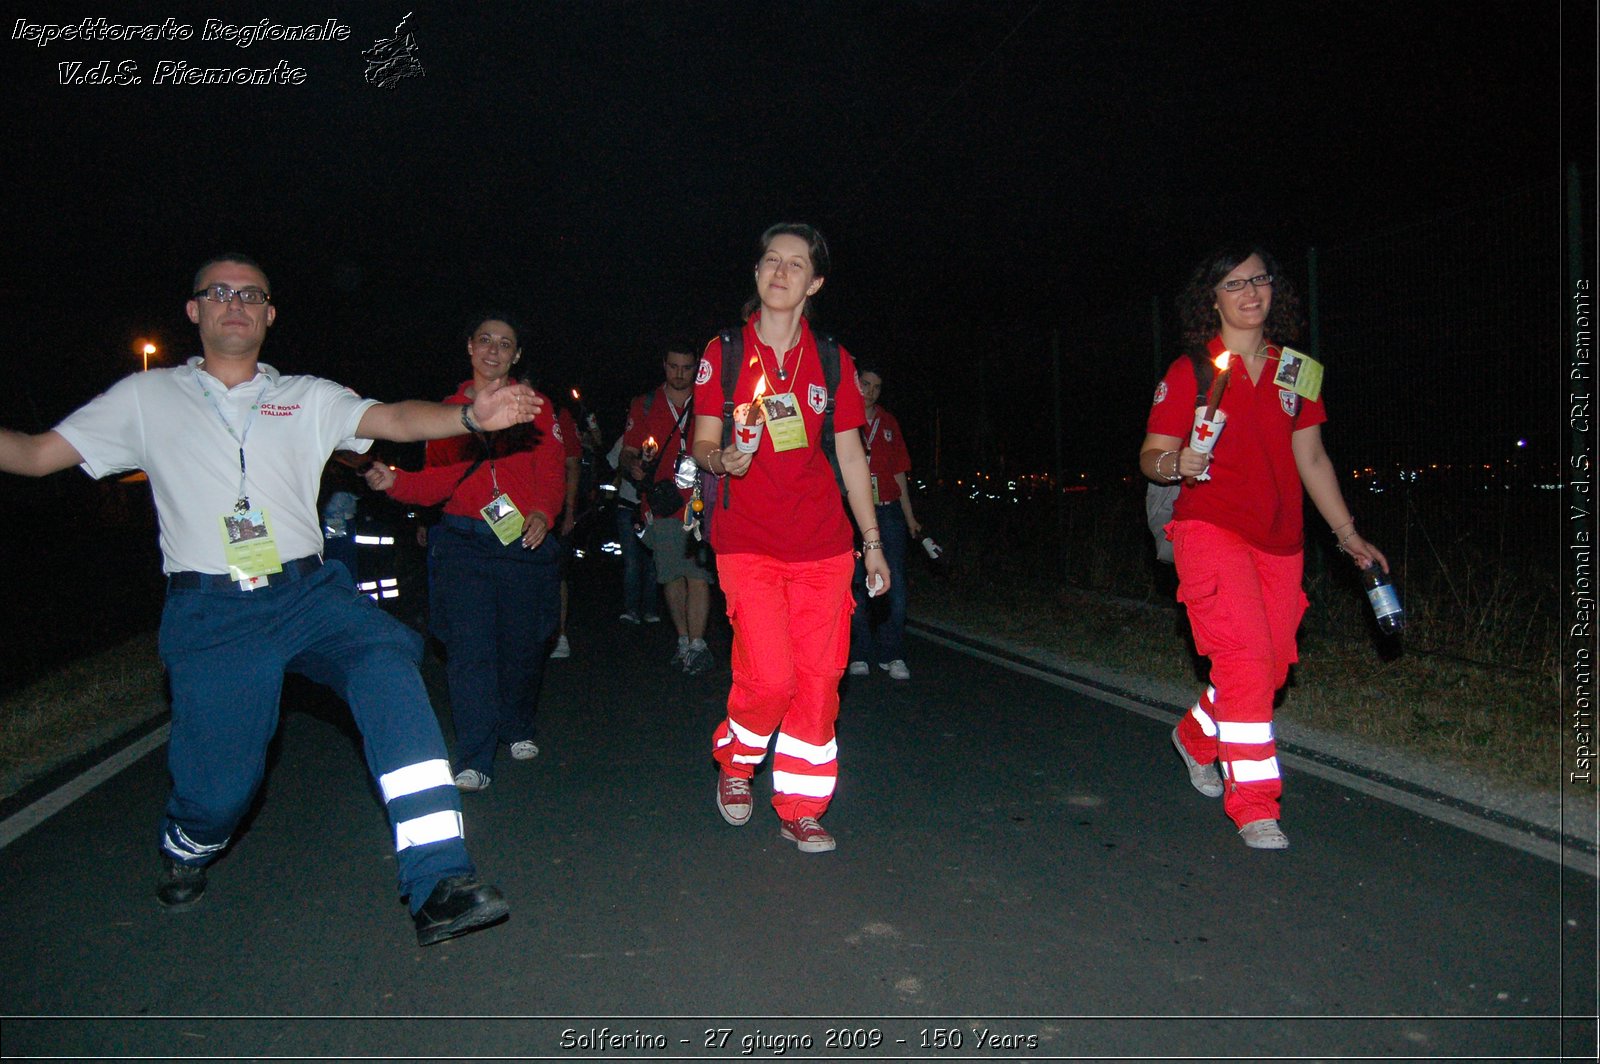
x=1023 y=872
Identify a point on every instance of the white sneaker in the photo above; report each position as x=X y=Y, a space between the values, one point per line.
x=563 y=648
x=681 y=656
x=470 y=779
x=629 y=618
x=896 y=669
x=860 y=668
x=1264 y=835
x=524 y=750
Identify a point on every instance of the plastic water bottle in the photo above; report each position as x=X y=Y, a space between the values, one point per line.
x=1384 y=598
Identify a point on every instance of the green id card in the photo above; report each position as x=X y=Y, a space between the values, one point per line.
x=248 y=546
x=784 y=423
x=504 y=518
x=1299 y=373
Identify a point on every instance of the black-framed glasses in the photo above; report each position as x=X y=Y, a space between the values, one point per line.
x=1260 y=280
x=221 y=293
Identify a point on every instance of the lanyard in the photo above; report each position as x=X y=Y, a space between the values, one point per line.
x=873 y=434
x=243 y=503
x=783 y=375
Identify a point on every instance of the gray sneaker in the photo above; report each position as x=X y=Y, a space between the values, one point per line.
x=1204 y=778
x=697 y=661
x=1264 y=835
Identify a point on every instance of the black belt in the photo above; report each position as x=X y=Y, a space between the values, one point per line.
x=298 y=569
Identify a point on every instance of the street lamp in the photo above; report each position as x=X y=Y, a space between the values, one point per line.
x=149 y=349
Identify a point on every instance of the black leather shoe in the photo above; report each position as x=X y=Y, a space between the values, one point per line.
x=181 y=884
x=459 y=904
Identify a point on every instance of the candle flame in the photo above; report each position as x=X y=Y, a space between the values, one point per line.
x=761 y=388
x=1222 y=361
x=575 y=394
x=650 y=441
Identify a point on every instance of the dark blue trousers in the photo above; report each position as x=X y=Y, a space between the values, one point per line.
x=226 y=651
x=878 y=627
x=501 y=606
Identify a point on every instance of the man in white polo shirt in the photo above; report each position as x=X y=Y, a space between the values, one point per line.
x=231 y=444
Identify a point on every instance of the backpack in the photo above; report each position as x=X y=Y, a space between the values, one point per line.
x=733 y=355
x=1159 y=498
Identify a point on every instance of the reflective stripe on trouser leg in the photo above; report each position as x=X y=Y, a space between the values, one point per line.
x=1244 y=607
x=791 y=638
x=224 y=658
x=369 y=658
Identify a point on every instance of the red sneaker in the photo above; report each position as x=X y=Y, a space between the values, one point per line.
x=733 y=798
x=807 y=834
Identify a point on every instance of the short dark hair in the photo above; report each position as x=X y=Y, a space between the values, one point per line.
x=679 y=346
x=231 y=256
x=868 y=364
x=495 y=315
x=1197 y=303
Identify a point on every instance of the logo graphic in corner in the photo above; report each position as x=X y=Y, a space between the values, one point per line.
x=703 y=374
x=392 y=59
x=1290 y=402
x=1161 y=393
x=817 y=397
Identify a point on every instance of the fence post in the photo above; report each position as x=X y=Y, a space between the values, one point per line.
x=1062 y=538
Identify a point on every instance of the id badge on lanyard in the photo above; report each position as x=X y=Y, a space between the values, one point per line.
x=785 y=424
x=248 y=546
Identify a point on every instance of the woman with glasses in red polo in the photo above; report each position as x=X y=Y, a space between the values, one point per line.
x=783 y=542
x=1236 y=530
x=496 y=570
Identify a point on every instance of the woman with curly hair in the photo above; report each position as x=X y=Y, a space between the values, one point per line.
x=1236 y=534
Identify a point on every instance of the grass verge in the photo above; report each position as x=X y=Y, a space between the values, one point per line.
x=78 y=707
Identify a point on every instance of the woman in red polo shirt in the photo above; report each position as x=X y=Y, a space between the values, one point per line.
x=1237 y=536
x=496 y=570
x=783 y=543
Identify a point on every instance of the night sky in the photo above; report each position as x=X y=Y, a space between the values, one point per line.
x=985 y=173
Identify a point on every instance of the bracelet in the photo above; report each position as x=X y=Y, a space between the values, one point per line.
x=1350 y=524
x=1175 y=476
x=466 y=418
x=871 y=544
x=874 y=528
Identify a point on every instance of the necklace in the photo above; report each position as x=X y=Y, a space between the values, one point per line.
x=782 y=374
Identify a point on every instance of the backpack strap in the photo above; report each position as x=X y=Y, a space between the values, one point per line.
x=828 y=352
x=732 y=357
x=1204 y=371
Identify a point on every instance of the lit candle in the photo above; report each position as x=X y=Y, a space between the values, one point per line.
x=1219 y=384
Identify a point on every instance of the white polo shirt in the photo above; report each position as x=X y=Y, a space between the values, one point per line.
x=163 y=423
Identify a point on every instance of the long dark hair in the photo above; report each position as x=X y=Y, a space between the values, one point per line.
x=816 y=246
x=1197 y=312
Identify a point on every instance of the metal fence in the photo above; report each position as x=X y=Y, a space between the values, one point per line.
x=1445 y=338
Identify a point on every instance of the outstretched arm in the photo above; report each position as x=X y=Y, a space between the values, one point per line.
x=36 y=455
x=413 y=419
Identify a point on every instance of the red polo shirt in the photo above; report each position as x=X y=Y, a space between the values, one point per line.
x=529 y=465
x=886 y=453
x=788 y=505
x=1254 y=488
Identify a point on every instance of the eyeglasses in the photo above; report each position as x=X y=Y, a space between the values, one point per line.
x=1260 y=280
x=221 y=293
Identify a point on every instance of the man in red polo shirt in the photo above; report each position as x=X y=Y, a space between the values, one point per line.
x=666 y=417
